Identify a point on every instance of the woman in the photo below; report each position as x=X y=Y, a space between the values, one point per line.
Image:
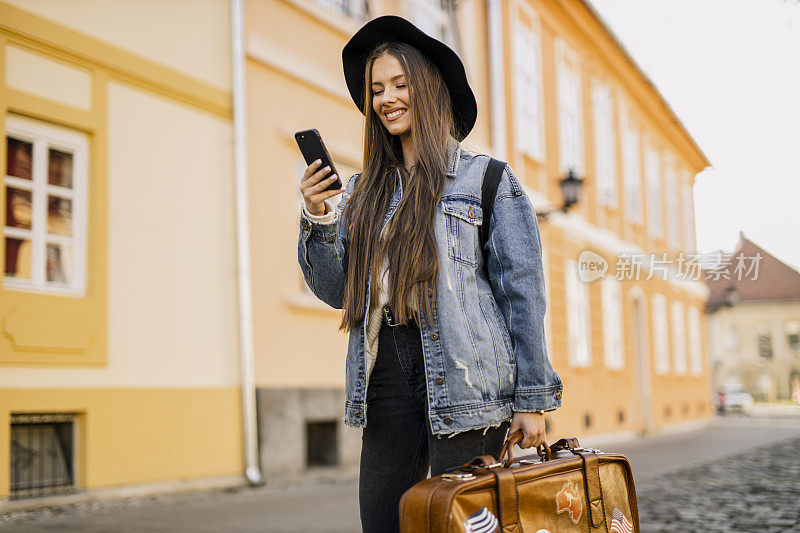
x=440 y=357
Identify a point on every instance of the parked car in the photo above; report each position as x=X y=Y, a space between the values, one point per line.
x=734 y=397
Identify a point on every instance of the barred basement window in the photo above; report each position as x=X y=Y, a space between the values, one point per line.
x=321 y=444
x=42 y=454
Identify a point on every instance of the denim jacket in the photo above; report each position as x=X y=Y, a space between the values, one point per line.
x=485 y=354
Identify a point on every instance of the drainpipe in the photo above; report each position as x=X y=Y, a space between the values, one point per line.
x=497 y=79
x=252 y=468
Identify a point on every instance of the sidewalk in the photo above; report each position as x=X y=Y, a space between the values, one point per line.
x=333 y=507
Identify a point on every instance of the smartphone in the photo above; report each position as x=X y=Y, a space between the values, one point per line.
x=312 y=147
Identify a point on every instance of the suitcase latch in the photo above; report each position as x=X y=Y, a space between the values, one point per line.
x=458 y=476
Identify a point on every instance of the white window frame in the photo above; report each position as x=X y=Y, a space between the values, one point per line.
x=578 y=326
x=732 y=338
x=688 y=212
x=612 y=323
x=671 y=194
x=605 y=143
x=660 y=334
x=695 y=343
x=355 y=9
x=678 y=337
x=570 y=108
x=44 y=135
x=652 y=172
x=631 y=165
x=432 y=18
x=528 y=87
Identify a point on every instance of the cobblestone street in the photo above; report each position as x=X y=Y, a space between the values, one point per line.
x=736 y=474
x=754 y=491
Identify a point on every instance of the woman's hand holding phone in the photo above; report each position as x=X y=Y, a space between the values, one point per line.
x=313 y=187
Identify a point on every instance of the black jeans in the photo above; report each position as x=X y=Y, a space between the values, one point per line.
x=397 y=444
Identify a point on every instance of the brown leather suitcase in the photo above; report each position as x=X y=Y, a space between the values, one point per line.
x=564 y=487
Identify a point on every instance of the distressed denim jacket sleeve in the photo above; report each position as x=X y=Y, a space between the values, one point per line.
x=322 y=252
x=517 y=278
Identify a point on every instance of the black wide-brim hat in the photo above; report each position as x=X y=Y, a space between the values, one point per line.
x=394 y=28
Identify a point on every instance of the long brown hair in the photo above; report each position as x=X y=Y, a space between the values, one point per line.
x=409 y=240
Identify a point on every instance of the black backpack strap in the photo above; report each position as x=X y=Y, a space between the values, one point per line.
x=491 y=181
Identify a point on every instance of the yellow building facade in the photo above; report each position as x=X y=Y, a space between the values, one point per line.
x=118 y=339
x=118 y=308
x=555 y=90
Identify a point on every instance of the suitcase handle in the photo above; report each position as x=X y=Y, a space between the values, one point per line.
x=544 y=451
x=515 y=438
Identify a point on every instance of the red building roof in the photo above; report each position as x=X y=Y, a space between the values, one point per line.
x=754 y=275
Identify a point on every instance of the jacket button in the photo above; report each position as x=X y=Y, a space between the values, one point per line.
x=304 y=224
x=448 y=420
x=434 y=336
x=361 y=374
x=558 y=396
x=358 y=415
x=471 y=212
x=440 y=380
x=430 y=291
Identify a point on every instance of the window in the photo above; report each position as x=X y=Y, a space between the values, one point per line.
x=733 y=338
x=673 y=214
x=678 y=337
x=765 y=344
x=660 y=339
x=652 y=172
x=570 y=126
x=793 y=336
x=715 y=339
x=356 y=9
x=695 y=344
x=431 y=16
x=577 y=316
x=612 y=323
x=605 y=144
x=793 y=340
x=528 y=89
x=631 y=167
x=688 y=212
x=45 y=199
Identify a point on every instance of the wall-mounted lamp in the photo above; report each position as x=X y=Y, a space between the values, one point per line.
x=571 y=186
x=731 y=295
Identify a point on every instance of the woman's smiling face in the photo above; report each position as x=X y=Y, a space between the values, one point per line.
x=391 y=99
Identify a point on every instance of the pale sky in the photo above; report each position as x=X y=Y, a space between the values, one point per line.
x=730 y=70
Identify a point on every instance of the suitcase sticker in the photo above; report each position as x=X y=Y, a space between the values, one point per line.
x=481 y=522
x=568 y=500
x=620 y=523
